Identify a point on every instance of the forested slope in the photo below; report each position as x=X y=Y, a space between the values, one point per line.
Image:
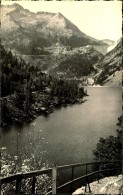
x=27 y=92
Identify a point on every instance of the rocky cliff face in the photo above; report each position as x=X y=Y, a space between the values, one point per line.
x=111 y=67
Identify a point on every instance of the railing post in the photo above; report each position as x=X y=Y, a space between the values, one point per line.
x=98 y=176
x=86 y=172
x=18 y=185
x=72 y=178
x=87 y=181
x=33 y=185
x=86 y=169
x=98 y=172
x=54 y=180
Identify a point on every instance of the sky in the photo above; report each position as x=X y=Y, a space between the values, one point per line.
x=98 y=19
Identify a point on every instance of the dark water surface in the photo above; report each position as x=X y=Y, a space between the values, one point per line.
x=69 y=134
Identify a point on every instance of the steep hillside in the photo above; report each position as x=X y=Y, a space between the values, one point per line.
x=26 y=92
x=76 y=63
x=65 y=62
x=28 y=32
x=111 y=67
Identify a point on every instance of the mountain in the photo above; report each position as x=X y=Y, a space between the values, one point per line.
x=28 y=32
x=108 y=41
x=108 y=46
x=111 y=67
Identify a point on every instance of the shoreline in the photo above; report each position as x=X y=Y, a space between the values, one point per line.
x=38 y=108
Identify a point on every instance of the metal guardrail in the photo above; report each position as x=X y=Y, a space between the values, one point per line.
x=54 y=172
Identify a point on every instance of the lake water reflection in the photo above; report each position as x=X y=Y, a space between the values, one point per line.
x=69 y=134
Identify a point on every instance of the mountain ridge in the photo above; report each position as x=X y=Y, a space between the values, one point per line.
x=49 y=28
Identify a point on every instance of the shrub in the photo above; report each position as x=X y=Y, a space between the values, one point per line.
x=109 y=149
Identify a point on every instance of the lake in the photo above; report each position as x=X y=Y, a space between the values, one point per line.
x=70 y=133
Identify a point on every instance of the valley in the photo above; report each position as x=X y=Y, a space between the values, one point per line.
x=53 y=43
